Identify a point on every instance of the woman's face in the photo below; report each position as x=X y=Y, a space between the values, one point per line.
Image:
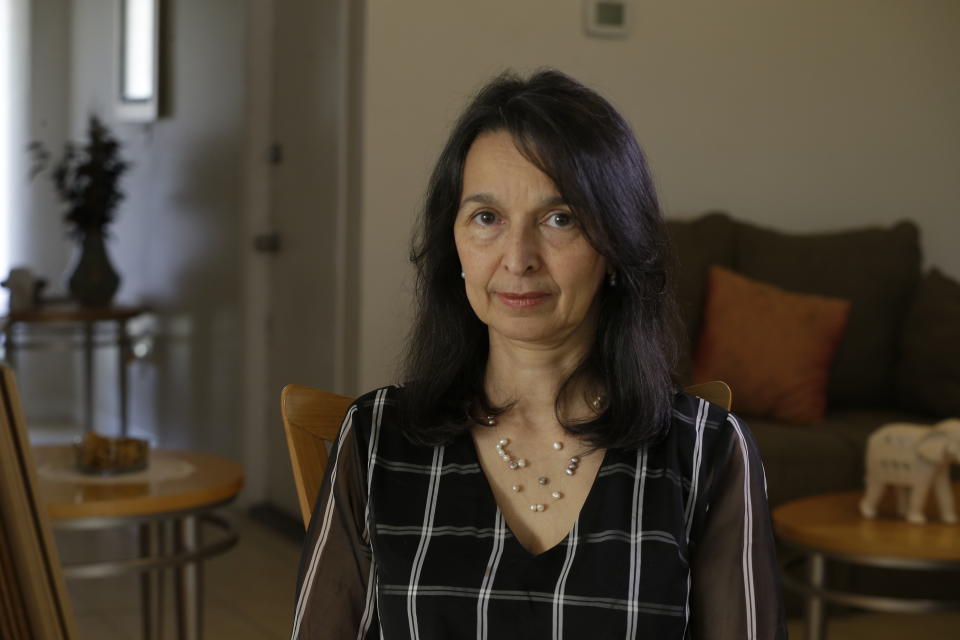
x=529 y=271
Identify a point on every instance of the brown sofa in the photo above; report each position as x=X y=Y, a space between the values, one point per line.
x=898 y=359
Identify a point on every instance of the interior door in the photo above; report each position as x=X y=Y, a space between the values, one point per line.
x=303 y=202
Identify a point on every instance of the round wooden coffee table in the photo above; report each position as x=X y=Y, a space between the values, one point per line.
x=170 y=501
x=830 y=527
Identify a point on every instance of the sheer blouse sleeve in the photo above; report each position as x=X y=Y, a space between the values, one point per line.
x=735 y=593
x=335 y=566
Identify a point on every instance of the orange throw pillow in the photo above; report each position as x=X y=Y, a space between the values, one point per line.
x=773 y=347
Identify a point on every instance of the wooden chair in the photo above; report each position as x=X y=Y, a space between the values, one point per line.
x=715 y=392
x=33 y=599
x=311 y=420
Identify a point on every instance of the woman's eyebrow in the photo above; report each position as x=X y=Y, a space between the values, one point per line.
x=490 y=200
x=481 y=198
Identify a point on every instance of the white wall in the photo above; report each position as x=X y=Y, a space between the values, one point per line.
x=177 y=233
x=14 y=107
x=176 y=239
x=37 y=233
x=38 y=238
x=800 y=116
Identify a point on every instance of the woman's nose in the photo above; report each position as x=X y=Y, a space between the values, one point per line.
x=522 y=251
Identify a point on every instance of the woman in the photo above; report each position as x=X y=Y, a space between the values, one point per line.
x=540 y=476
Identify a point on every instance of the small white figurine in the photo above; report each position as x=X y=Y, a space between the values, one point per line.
x=912 y=458
x=23 y=287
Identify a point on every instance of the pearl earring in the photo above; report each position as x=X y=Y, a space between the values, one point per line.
x=463 y=275
x=612 y=279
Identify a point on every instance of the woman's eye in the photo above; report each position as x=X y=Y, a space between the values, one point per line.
x=486 y=218
x=560 y=220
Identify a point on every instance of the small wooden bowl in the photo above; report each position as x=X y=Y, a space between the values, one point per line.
x=100 y=455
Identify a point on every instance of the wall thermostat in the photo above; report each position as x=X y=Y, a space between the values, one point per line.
x=605 y=18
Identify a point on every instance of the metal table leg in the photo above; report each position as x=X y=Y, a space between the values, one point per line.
x=816 y=618
x=164 y=544
x=123 y=349
x=189 y=581
x=88 y=377
x=9 y=352
x=152 y=544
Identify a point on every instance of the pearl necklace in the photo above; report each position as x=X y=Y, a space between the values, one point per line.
x=515 y=464
x=520 y=463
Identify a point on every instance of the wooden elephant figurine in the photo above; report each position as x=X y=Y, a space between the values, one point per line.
x=912 y=458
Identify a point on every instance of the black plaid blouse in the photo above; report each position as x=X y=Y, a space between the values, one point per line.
x=673 y=541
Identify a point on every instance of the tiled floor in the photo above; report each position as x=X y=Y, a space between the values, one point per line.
x=250 y=589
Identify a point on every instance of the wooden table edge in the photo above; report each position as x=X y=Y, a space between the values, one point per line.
x=140 y=506
x=144 y=506
x=818 y=542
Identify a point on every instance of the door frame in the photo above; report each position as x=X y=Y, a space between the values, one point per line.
x=260 y=406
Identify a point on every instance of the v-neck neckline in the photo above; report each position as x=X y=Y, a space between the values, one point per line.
x=565 y=540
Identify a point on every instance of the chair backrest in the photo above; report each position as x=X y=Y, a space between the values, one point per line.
x=715 y=392
x=33 y=598
x=311 y=418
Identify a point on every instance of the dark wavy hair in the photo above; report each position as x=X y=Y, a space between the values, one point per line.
x=579 y=140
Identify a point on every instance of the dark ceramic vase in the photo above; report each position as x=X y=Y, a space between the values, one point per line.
x=94 y=281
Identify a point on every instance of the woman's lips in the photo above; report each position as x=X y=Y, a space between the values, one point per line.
x=522 y=300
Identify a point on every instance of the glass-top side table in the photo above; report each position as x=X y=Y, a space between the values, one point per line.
x=87 y=326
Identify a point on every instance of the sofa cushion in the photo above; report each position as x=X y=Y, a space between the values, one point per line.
x=877 y=269
x=773 y=347
x=697 y=244
x=929 y=372
x=804 y=461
